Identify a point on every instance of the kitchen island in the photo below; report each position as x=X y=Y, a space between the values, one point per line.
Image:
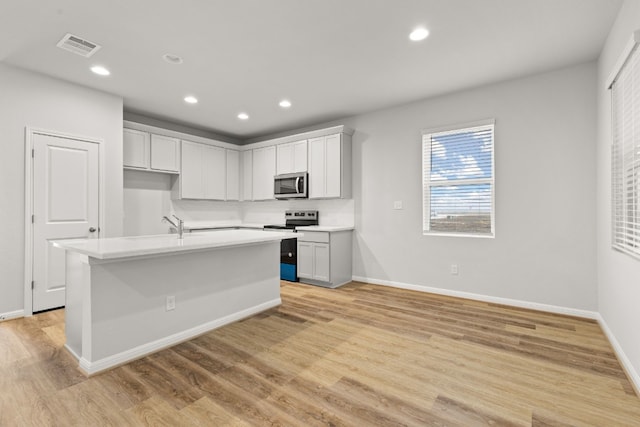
x=130 y=296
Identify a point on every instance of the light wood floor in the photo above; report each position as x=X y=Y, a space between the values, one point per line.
x=361 y=355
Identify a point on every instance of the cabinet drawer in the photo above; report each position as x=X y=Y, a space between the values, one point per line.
x=314 y=236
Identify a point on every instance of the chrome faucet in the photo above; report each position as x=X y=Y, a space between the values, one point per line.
x=179 y=227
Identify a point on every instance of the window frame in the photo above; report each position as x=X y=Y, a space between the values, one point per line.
x=427 y=184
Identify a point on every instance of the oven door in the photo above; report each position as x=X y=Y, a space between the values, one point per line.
x=290 y=186
x=289 y=251
x=289 y=259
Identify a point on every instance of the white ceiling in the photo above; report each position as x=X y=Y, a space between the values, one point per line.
x=331 y=58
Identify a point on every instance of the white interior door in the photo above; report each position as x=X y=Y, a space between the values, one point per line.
x=65 y=206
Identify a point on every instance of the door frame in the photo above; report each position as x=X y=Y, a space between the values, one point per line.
x=30 y=132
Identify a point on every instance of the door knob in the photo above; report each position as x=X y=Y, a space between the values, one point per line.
x=92 y=230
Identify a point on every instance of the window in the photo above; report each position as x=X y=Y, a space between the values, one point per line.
x=458 y=180
x=625 y=155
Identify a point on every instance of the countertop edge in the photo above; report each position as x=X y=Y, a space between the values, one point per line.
x=164 y=250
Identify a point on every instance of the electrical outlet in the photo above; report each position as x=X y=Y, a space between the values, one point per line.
x=454 y=269
x=171 y=303
x=397 y=204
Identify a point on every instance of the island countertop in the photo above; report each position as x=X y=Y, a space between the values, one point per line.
x=125 y=247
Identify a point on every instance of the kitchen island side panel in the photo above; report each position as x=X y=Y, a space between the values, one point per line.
x=128 y=297
x=78 y=274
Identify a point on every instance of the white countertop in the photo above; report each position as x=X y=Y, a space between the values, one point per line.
x=329 y=228
x=125 y=247
x=211 y=225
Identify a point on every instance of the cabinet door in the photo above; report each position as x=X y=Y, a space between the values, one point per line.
x=247 y=175
x=300 y=156
x=317 y=176
x=284 y=158
x=165 y=153
x=321 y=268
x=135 y=149
x=233 y=175
x=305 y=259
x=264 y=169
x=214 y=172
x=191 y=171
x=333 y=166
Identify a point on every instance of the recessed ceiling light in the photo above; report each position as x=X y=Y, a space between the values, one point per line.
x=285 y=103
x=100 y=70
x=191 y=99
x=419 y=34
x=172 y=59
x=243 y=116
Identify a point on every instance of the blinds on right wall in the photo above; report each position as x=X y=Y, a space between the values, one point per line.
x=625 y=153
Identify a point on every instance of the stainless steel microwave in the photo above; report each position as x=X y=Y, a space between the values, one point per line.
x=291 y=185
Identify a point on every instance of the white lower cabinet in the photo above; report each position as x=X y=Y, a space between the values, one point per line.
x=321 y=262
x=313 y=261
x=324 y=258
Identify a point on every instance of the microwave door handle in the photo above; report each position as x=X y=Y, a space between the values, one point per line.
x=298 y=185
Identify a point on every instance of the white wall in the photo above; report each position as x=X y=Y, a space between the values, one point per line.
x=147 y=198
x=544 y=252
x=545 y=246
x=330 y=212
x=29 y=99
x=208 y=210
x=618 y=274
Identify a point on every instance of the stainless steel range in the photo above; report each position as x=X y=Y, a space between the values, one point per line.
x=289 y=247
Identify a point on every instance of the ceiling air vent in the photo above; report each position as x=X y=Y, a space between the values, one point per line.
x=78 y=45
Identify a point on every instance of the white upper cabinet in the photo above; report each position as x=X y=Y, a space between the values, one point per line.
x=165 y=153
x=317 y=169
x=135 y=149
x=214 y=172
x=291 y=157
x=145 y=151
x=333 y=165
x=203 y=172
x=330 y=166
x=247 y=174
x=191 y=176
x=233 y=175
x=264 y=169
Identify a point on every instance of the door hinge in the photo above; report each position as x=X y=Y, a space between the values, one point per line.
x=33 y=285
x=33 y=152
x=33 y=219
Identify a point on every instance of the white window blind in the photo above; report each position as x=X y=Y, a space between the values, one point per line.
x=458 y=180
x=625 y=156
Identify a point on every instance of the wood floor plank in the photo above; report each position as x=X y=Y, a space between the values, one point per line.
x=358 y=355
x=206 y=413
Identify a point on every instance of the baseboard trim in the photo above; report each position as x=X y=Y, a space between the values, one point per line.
x=11 y=315
x=622 y=357
x=73 y=353
x=91 y=368
x=484 y=298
